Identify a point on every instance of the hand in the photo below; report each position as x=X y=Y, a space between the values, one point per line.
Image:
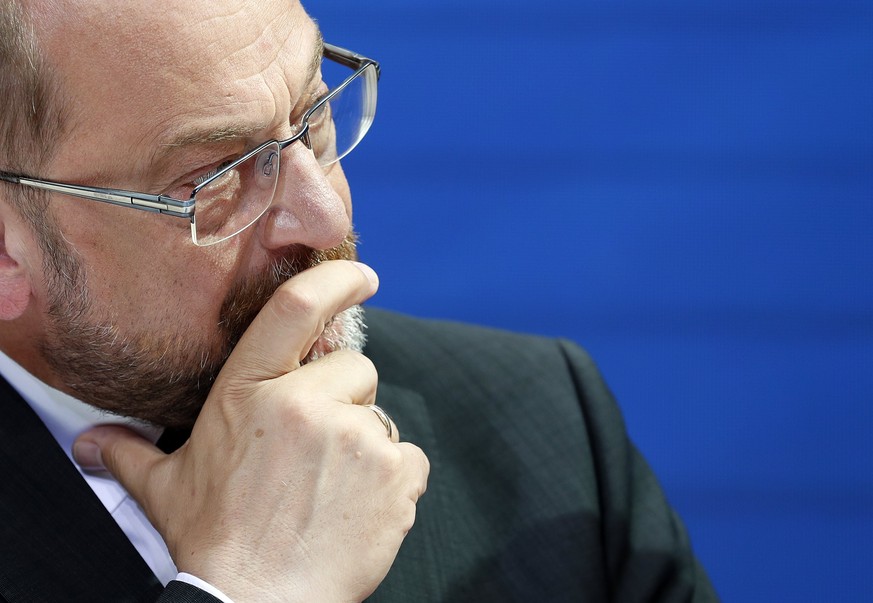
x=288 y=488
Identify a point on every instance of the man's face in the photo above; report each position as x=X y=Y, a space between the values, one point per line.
x=137 y=319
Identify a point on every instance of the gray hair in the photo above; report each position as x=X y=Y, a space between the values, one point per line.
x=31 y=108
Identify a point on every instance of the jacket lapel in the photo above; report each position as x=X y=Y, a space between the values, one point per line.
x=57 y=541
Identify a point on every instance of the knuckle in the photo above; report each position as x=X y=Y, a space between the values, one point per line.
x=416 y=454
x=360 y=362
x=350 y=359
x=341 y=433
x=390 y=460
x=365 y=364
x=422 y=488
x=287 y=408
x=349 y=441
x=347 y=434
x=407 y=515
x=115 y=455
x=425 y=464
x=295 y=300
x=295 y=417
x=419 y=467
x=364 y=372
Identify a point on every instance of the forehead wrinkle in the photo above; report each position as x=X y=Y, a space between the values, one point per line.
x=175 y=70
x=233 y=132
x=317 y=55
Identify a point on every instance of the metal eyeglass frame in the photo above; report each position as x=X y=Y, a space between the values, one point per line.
x=169 y=206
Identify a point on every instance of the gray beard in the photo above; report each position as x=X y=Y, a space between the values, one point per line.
x=344 y=332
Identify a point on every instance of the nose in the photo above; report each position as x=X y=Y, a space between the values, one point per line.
x=311 y=206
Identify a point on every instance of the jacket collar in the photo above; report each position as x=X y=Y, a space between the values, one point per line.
x=57 y=541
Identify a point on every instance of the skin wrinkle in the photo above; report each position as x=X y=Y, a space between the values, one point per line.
x=141 y=177
x=233 y=132
x=97 y=274
x=168 y=69
x=193 y=137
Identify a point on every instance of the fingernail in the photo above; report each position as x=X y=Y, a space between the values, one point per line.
x=87 y=454
x=369 y=273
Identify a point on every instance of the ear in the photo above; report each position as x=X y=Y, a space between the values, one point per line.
x=15 y=287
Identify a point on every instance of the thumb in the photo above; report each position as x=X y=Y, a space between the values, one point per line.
x=123 y=453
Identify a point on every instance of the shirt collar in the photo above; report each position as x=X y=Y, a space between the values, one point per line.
x=66 y=418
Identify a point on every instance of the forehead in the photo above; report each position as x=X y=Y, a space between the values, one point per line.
x=135 y=75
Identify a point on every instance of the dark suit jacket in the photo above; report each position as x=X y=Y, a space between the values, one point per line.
x=535 y=492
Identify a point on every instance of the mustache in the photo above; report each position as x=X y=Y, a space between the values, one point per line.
x=248 y=297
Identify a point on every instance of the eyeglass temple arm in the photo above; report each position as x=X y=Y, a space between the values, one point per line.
x=348 y=58
x=155 y=203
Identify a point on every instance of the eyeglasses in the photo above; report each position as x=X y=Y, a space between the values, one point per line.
x=225 y=202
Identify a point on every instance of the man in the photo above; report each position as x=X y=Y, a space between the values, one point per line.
x=231 y=307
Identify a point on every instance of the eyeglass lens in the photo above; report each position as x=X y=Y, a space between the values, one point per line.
x=240 y=195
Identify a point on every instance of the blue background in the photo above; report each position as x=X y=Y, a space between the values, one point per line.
x=682 y=187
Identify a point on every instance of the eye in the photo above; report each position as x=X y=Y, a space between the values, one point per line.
x=184 y=186
x=201 y=179
x=322 y=134
x=306 y=101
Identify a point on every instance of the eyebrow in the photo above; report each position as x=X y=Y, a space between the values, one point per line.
x=232 y=132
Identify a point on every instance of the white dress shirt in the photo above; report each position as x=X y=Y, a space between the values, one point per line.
x=66 y=418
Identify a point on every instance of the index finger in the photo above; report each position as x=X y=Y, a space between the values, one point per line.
x=288 y=325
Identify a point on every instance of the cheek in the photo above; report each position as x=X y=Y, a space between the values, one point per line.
x=144 y=268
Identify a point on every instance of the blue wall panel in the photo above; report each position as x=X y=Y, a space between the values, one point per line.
x=682 y=187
